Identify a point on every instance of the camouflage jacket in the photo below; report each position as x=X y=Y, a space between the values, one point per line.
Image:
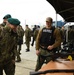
x=36 y=33
x=28 y=34
x=8 y=44
x=20 y=32
x=2 y=24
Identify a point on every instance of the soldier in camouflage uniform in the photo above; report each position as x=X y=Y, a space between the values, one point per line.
x=8 y=45
x=33 y=34
x=36 y=32
x=5 y=20
x=20 y=32
x=63 y=34
x=27 y=37
x=48 y=39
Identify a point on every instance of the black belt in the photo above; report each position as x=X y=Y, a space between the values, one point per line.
x=45 y=48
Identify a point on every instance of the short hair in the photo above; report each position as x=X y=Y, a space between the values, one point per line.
x=49 y=19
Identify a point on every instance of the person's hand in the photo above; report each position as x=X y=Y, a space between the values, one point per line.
x=50 y=47
x=37 y=52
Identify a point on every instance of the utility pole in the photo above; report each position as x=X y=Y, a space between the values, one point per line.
x=56 y=20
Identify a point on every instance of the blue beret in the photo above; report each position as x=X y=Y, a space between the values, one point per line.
x=13 y=21
x=7 y=16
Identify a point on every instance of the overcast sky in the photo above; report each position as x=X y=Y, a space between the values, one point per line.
x=28 y=11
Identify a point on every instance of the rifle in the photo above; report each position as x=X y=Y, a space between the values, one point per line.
x=54 y=58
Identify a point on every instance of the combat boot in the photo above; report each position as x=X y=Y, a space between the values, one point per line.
x=18 y=60
x=27 y=50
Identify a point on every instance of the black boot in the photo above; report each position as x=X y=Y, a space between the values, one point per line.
x=27 y=50
x=18 y=60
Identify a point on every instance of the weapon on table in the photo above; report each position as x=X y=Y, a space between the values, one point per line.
x=54 y=56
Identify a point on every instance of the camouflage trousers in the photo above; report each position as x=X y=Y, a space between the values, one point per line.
x=18 y=52
x=8 y=67
x=41 y=60
x=19 y=48
x=27 y=44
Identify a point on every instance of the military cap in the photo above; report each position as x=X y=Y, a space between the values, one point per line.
x=7 y=16
x=14 y=21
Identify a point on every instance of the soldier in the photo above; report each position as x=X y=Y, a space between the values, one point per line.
x=33 y=31
x=8 y=46
x=63 y=34
x=27 y=37
x=36 y=32
x=20 y=32
x=48 y=39
x=71 y=37
x=5 y=20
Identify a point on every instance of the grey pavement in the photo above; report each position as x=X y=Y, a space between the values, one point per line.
x=28 y=61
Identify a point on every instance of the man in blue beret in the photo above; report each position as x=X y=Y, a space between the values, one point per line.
x=5 y=20
x=8 y=46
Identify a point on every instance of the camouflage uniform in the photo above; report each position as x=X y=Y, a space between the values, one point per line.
x=33 y=35
x=5 y=20
x=36 y=33
x=8 y=45
x=63 y=34
x=20 y=32
x=3 y=24
x=27 y=38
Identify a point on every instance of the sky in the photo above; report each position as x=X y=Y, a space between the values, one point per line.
x=28 y=11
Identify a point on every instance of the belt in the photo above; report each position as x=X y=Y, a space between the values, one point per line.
x=45 y=48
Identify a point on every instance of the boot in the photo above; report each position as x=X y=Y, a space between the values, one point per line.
x=27 y=50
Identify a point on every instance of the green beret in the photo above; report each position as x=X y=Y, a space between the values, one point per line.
x=14 y=21
x=7 y=16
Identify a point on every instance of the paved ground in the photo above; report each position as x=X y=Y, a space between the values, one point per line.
x=28 y=61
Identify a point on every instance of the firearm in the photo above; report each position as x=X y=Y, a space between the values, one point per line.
x=54 y=56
